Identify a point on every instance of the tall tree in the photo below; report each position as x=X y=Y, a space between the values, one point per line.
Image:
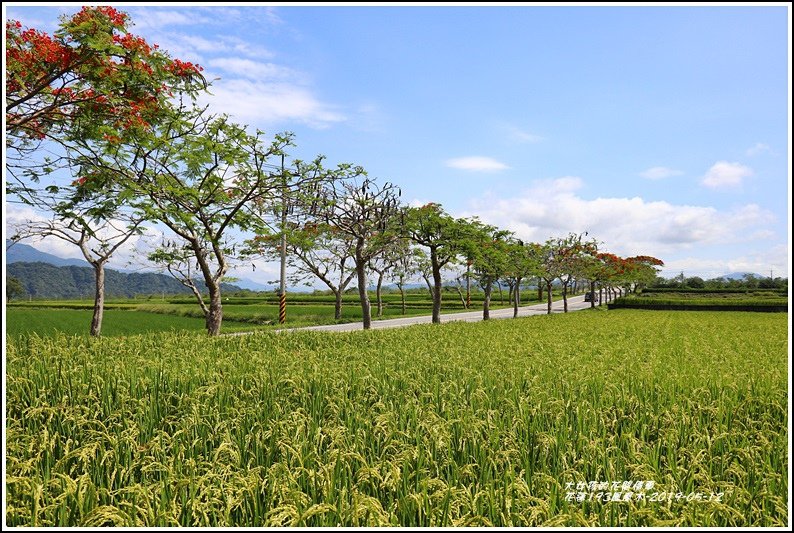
x=392 y=257
x=91 y=80
x=570 y=255
x=366 y=213
x=98 y=236
x=424 y=267
x=548 y=268
x=490 y=252
x=315 y=250
x=613 y=272
x=523 y=261
x=443 y=236
x=201 y=176
x=405 y=269
x=644 y=270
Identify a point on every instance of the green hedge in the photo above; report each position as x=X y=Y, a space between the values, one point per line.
x=712 y=291
x=773 y=305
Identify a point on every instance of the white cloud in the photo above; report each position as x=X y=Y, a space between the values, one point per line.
x=245 y=48
x=627 y=226
x=758 y=149
x=518 y=135
x=726 y=175
x=418 y=202
x=269 y=103
x=180 y=46
x=775 y=259
x=658 y=173
x=254 y=70
x=146 y=19
x=476 y=164
x=763 y=235
x=271 y=17
x=194 y=48
x=200 y=44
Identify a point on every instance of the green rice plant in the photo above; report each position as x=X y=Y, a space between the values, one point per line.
x=55 y=321
x=454 y=425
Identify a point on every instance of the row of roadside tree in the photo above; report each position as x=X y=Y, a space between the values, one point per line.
x=104 y=134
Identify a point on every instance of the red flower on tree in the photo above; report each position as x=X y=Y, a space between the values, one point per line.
x=91 y=76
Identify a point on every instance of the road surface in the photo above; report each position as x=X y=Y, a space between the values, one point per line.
x=575 y=303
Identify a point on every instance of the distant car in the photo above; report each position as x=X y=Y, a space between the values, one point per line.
x=590 y=297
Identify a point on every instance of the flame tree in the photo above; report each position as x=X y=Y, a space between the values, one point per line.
x=91 y=80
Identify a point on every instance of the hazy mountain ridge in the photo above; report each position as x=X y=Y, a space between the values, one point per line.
x=24 y=253
x=18 y=252
x=43 y=280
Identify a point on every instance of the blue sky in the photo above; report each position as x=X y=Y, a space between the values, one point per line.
x=659 y=130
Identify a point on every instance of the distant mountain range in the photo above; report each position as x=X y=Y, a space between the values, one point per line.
x=49 y=276
x=19 y=252
x=43 y=280
x=253 y=285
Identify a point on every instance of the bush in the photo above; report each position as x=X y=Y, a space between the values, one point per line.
x=774 y=305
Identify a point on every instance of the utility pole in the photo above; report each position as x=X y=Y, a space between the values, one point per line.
x=282 y=292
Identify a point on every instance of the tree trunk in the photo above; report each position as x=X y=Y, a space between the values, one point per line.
x=460 y=294
x=338 y=304
x=215 y=314
x=486 y=303
x=516 y=297
x=361 y=274
x=575 y=287
x=378 y=295
x=99 y=298
x=429 y=286
x=548 y=297
x=468 y=284
x=592 y=295
x=436 y=286
x=501 y=295
x=564 y=297
x=600 y=295
x=402 y=295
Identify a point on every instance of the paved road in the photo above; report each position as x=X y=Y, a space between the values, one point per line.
x=575 y=303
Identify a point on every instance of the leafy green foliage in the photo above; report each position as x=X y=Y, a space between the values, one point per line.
x=14 y=288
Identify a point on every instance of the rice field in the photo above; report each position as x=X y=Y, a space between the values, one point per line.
x=463 y=424
x=130 y=316
x=53 y=322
